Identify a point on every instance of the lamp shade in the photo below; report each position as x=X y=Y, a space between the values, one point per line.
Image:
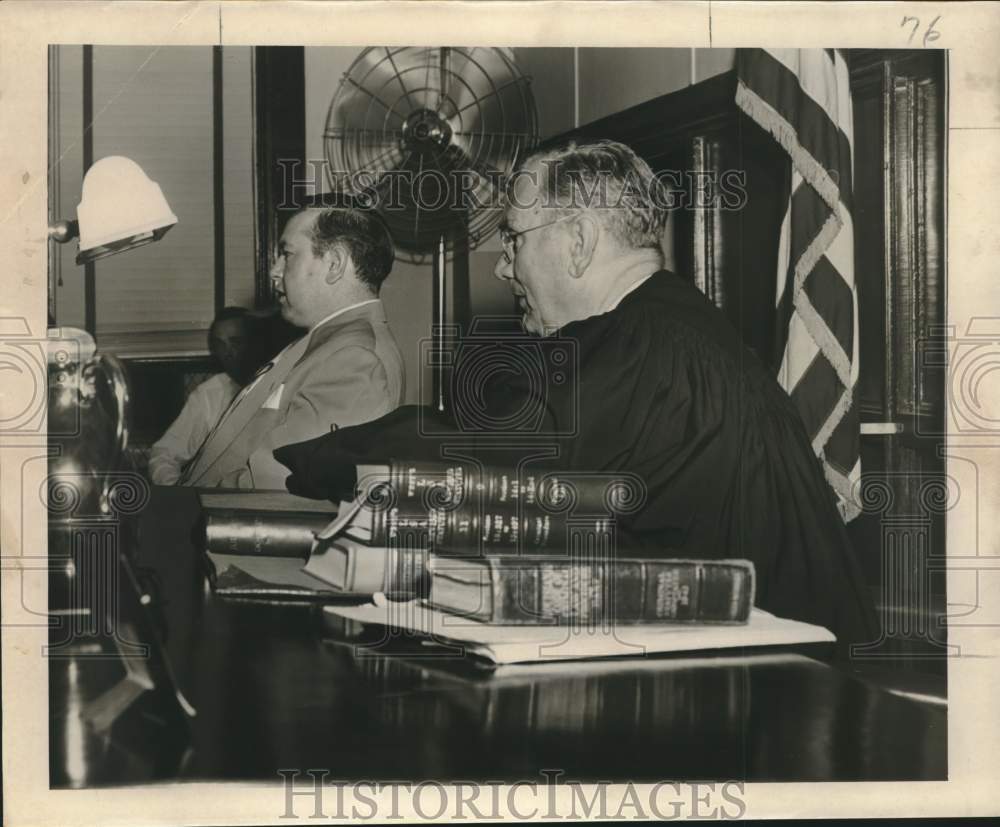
x=120 y=208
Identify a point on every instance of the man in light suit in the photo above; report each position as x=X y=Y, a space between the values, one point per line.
x=346 y=370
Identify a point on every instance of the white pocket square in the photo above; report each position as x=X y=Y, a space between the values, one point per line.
x=273 y=402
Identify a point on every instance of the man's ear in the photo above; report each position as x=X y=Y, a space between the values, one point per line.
x=336 y=259
x=584 y=233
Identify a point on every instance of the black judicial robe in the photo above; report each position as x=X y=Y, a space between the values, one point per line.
x=661 y=387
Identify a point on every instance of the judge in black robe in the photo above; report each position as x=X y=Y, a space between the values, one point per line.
x=661 y=387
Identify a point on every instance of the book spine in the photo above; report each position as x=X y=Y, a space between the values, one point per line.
x=524 y=591
x=406 y=574
x=462 y=508
x=268 y=534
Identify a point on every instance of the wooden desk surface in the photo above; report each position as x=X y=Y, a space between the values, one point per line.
x=274 y=688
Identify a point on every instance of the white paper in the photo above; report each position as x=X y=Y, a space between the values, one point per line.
x=530 y=644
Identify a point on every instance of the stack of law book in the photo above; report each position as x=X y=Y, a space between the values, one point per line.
x=494 y=546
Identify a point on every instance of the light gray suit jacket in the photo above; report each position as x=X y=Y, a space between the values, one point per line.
x=345 y=372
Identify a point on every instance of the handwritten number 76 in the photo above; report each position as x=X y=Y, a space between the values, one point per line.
x=930 y=35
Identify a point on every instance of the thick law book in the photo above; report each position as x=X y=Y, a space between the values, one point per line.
x=263 y=545
x=532 y=591
x=465 y=508
x=261 y=523
x=335 y=570
x=262 y=501
x=350 y=566
x=261 y=534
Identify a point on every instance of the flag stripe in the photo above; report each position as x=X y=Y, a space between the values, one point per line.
x=841 y=250
x=802 y=98
x=811 y=213
x=820 y=333
x=816 y=393
x=785 y=237
x=799 y=354
x=785 y=288
x=782 y=321
x=824 y=77
x=822 y=110
x=842 y=449
x=815 y=72
x=817 y=134
x=832 y=298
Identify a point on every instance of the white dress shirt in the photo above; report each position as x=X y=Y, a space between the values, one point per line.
x=185 y=435
x=341 y=312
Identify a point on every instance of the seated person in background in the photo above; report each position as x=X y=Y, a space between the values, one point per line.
x=661 y=387
x=229 y=340
x=346 y=370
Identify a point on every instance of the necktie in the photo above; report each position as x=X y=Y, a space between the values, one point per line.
x=185 y=477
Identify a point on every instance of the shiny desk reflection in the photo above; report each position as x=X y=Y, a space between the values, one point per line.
x=274 y=688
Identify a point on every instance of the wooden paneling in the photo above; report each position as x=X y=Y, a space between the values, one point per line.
x=869 y=245
x=916 y=205
x=899 y=119
x=708 y=243
x=280 y=116
x=899 y=180
x=237 y=119
x=157 y=390
x=726 y=176
x=66 y=282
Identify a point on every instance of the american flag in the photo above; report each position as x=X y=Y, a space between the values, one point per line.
x=802 y=98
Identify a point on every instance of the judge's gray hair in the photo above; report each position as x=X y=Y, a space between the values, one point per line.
x=608 y=178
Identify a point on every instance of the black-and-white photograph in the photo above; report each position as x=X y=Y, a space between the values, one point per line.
x=464 y=422
x=481 y=268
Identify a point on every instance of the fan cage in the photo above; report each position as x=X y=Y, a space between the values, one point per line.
x=428 y=136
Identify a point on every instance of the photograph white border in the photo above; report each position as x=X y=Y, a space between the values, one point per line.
x=971 y=31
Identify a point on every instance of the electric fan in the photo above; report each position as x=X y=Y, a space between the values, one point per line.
x=428 y=135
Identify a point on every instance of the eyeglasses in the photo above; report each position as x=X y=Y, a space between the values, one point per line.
x=509 y=237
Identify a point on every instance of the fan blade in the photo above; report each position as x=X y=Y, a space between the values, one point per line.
x=464 y=113
x=474 y=78
x=390 y=57
x=353 y=154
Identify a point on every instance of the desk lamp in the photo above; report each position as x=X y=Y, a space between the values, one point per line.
x=120 y=209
